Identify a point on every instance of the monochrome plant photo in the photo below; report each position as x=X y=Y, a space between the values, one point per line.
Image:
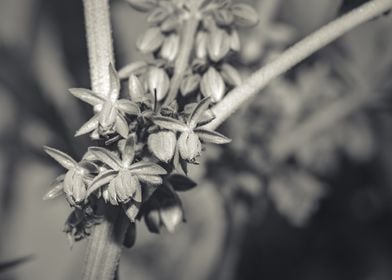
x=195 y=139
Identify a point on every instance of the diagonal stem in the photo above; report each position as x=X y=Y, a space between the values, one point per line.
x=295 y=54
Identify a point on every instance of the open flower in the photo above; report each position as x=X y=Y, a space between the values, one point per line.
x=75 y=181
x=121 y=180
x=111 y=111
x=189 y=142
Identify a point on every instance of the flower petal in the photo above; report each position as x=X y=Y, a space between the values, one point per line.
x=88 y=126
x=121 y=126
x=114 y=83
x=65 y=160
x=211 y=136
x=102 y=179
x=128 y=153
x=153 y=180
x=106 y=156
x=87 y=96
x=147 y=168
x=128 y=107
x=198 y=111
x=170 y=123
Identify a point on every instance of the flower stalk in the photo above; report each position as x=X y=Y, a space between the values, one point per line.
x=295 y=54
x=105 y=243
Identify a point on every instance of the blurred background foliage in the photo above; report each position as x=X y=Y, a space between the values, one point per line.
x=302 y=192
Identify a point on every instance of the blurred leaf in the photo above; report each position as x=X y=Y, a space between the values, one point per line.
x=6 y=265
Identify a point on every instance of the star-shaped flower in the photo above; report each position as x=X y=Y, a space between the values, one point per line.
x=121 y=180
x=110 y=111
x=189 y=144
x=75 y=181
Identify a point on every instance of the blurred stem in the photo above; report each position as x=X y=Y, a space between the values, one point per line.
x=188 y=35
x=295 y=54
x=105 y=244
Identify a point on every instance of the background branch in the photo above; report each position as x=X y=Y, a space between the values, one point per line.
x=295 y=54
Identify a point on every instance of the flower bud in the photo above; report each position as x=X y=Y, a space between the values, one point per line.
x=189 y=84
x=223 y=17
x=143 y=5
x=170 y=47
x=212 y=85
x=201 y=44
x=150 y=41
x=230 y=75
x=189 y=146
x=158 y=81
x=162 y=145
x=134 y=68
x=172 y=216
x=244 y=15
x=153 y=221
x=218 y=44
x=136 y=89
x=235 y=43
x=158 y=15
x=169 y=24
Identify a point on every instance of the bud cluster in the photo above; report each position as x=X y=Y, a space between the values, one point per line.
x=142 y=147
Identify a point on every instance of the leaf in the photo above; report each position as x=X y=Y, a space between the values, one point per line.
x=181 y=183
x=102 y=179
x=128 y=107
x=106 y=156
x=130 y=236
x=5 y=265
x=62 y=158
x=87 y=96
x=147 y=168
x=121 y=126
x=114 y=83
x=170 y=123
x=198 y=111
x=88 y=126
x=153 y=221
x=211 y=136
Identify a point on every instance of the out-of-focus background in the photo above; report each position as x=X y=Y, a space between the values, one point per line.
x=304 y=191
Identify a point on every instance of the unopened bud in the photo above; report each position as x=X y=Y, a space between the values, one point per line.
x=189 y=84
x=158 y=81
x=189 y=146
x=162 y=145
x=170 y=47
x=212 y=85
x=230 y=75
x=150 y=41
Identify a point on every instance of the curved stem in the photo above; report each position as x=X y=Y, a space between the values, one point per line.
x=187 y=40
x=105 y=244
x=295 y=54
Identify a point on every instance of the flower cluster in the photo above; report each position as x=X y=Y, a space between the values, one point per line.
x=142 y=146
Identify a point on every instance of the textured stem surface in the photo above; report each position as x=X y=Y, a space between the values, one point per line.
x=187 y=40
x=99 y=43
x=105 y=243
x=295 y=54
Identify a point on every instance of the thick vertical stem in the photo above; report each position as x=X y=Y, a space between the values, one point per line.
x=105 y=243
x=99 y=43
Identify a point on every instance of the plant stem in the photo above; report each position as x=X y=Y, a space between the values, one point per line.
x=99 y=43
x=295 y=54
x=105 y=244
x=187 y=40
